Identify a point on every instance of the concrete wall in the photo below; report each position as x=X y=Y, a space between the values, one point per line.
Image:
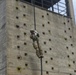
x=57 y=40
x=2 y=38
x=70 y=2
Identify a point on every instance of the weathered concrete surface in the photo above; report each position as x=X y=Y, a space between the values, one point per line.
x=2 y=38
x=57 y=39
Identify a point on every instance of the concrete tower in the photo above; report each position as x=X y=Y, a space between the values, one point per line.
x=54 y=22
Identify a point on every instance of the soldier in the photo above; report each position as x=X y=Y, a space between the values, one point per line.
x=35 y=37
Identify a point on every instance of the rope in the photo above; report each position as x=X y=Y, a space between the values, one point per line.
x=41 y=67
x=33 y=3
x=34 y=37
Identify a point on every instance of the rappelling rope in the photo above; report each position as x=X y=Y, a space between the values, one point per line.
x=33 y=3
x=35 y=37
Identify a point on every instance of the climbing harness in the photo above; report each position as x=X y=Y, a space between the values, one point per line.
x=35 y=38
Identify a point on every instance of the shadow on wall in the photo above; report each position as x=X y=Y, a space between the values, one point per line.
x=33 y=65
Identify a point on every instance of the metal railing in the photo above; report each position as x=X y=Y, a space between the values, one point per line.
x=59 y=7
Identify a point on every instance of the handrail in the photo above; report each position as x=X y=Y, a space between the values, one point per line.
x=49 y=4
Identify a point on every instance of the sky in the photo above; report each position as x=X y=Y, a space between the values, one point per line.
x=74 y=3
